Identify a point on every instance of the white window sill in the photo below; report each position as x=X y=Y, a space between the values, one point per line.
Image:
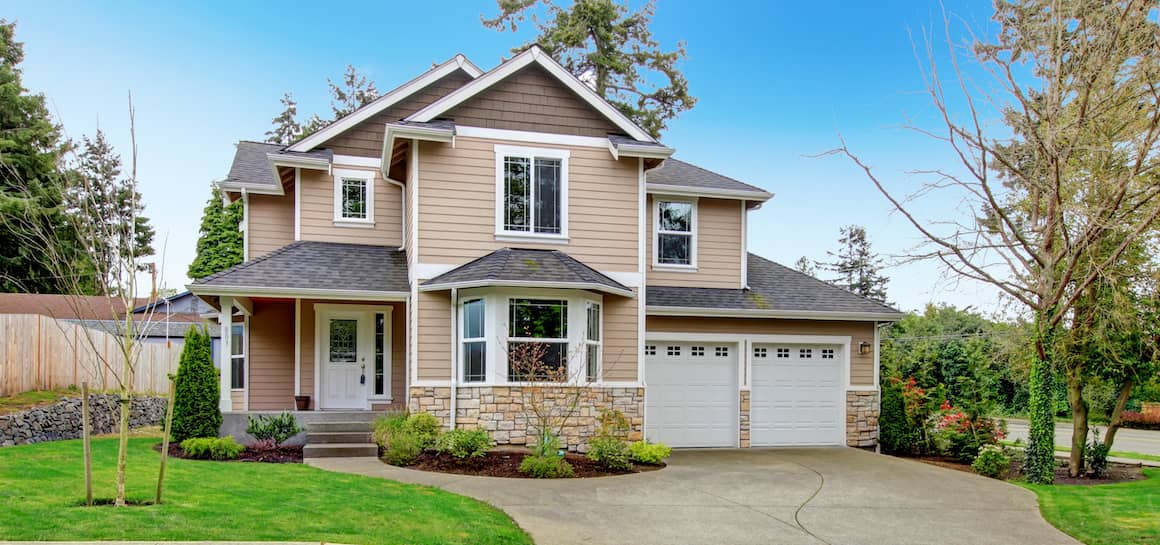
x=373 y=399
x=530 y=238
x=237 y=389
x=357 y=224
x=674 y=268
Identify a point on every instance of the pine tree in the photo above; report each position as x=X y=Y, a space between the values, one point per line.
x=353 y=93
x=197 y=387
x=286 y=127
x=806 y=265
x=857 y=267
x=219 y=243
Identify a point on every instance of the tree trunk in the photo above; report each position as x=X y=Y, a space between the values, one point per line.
x=1079 y=421
x=1117 y=419
x=126 y=408
x=1039 y=465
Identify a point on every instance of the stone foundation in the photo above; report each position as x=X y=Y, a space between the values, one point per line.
x=62 y=420
x=744 y=420
x=862 y=419
x=501 y=410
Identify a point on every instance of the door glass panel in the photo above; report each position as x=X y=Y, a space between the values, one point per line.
x=380 y=344
x=343 y=340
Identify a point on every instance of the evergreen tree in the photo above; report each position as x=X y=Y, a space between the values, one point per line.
x=31 y=181
x=857 y=267
x=286 y=127
x=219 y=243
x=197 y=387
x=603 y=42
x=805 y=265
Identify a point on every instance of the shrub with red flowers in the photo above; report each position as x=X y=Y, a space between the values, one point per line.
x=958 y=434
x=1141 y=421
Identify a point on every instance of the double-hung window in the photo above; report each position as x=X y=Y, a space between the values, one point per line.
x=592 y=343
x=474 y=348
x=532 y=185
x=537 y=340
x=353 y=197
x=676 y=227
x=238 y=356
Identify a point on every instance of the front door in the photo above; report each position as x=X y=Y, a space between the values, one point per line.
x=347 y=341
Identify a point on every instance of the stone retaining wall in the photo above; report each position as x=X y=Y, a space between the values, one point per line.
x=500 y=410
x=62 y=420
x=862 y=411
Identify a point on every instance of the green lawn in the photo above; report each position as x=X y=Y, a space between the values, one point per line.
x=27 y=400
x=1110 y=514
x=42 y=492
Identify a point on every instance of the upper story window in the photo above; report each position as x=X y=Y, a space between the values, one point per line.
x=675 y=225
x=353 y=197
x=532 y=192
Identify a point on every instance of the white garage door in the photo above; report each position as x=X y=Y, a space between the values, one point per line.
x=796 y=395
x=692 y=394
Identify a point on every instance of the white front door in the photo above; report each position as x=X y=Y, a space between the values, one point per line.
x=692 y=394
x=796 y=395
x=347 y=355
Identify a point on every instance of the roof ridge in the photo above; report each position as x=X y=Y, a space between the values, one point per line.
x=822 y=282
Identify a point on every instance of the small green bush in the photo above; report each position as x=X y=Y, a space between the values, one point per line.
x=644 y=452
x=547 y=444
x=195 y=404
x=464 y=444
x=212 y=448
x=610 y=452
x=991 y=462
x=387 y=426
x=273 y=430
x=426 y=427
x=546 y=467
x=404 y=448
x=1096 y=456
x=896 y=434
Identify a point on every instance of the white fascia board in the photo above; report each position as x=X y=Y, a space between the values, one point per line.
x=688 y=191
x=647 y=152
x=459 y=62
x=253 y=189
x=527 y=284
x=290 y=293
x=393 y=131
x=356 y=161
x=784 y=314
x=532 y=137
x=282 y=160
x=531 y=55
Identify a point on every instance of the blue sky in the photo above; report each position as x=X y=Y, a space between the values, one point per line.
x=776 y=82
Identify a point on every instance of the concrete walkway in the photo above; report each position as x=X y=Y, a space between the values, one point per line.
x=834 y=496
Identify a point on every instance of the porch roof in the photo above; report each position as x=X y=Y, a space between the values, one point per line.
x=314 y=268
x=527 y=268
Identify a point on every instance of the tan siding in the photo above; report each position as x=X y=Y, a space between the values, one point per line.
x=271 y=222
x=861 y=366
x=457 y=199
x=532 y=100
x=718 y=247
x=238 y=399
x=306 y=352
x=366 y=138
x=271 y=385
x=317 y=210
x=398 y=345
x=434 y=348
x=620 y=339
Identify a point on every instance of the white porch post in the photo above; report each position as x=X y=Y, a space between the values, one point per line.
x=226 y=320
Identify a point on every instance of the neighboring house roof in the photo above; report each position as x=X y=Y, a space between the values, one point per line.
x=525 y=267
x=308 y=267
x=179 y=304
x=775 y=291
x=156 y=328
x=254 y=166
x=65 y=306
x=676 y=176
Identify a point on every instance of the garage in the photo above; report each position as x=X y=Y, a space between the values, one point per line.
x=692 y=394
x=797 y=395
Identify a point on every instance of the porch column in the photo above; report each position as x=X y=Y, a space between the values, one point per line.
x=226 y=321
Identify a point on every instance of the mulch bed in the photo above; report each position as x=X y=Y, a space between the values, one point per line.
x=507 y=464
x=280 y=455
x=1116 y=473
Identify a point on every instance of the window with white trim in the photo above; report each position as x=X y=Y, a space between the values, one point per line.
x=533 y=188
x=353 y=196
x=592 y=343
x=827 y=353
x=238 y=356
x=722 y=351
x=783 y=352
x=806 y=353
x=759 y=352
x=696 y=350
x=473 y=348
x=537 y=339
x=673 y=351
x=650 y=350
x=676 y=225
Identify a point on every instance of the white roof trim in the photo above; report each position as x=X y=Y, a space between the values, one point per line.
x=315 y=293
x=282 y=160
x=760 y=313
x=395 y=130
x=531 y=55
x=458 y=62
x=253 y=189
x=631 y=150
x=592 y=286
x=691 y=191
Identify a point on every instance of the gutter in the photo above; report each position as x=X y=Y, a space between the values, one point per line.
x=653 y=310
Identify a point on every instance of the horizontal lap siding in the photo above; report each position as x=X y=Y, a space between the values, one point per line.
x=532 y=100
x=861 y=366
x=434 y=346
x=457 y=199
x=271 y=385
x=718 y=247
x=317 y=210
x=271 y=222
x=620 y=339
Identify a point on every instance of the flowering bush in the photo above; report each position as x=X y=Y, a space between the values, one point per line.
x=1141 y=421
x=959 y=435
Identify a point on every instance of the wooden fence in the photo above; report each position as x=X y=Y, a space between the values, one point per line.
x=41 y=353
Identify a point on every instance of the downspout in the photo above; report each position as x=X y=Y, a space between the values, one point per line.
x=403 y=192
x=454 y=351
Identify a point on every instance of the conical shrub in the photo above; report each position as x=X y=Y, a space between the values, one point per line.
x=195 y=407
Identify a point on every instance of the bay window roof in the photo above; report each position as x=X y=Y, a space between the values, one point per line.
x=517 y=267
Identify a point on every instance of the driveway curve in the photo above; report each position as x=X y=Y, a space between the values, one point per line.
x=821 y=496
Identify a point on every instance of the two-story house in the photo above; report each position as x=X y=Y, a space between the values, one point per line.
x=397 y=257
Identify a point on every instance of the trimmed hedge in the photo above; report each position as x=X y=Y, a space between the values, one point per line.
x=1141 y=421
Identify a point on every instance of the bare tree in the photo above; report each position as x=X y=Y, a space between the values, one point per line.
x=1073 y=163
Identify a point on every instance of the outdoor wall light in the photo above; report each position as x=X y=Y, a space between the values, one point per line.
x=864 y=348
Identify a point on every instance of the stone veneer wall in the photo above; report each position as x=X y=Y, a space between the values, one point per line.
x=499 y=410
x=62 y=420
x=862 y=411
x=744 y=420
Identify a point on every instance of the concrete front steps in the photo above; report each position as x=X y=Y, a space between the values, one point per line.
x=339 y=440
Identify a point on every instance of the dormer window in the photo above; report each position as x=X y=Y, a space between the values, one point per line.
x=532 y=192
x=675 y=225
x=353 y=197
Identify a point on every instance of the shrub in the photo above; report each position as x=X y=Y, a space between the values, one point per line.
x=546 y=467
x=404 y=448
x=991 y=461
x=957 y=434
x=610 y=452
x=896 y=433
x=649 y=453
x=614 y=424
x=387 y=426
x=423 y=426
x=464 y=444
x=1141 y=421
x=195 y=405
x=426 y=427
x=1095 y=456
x=547 y=445
x=273 y=430
x=212 y=448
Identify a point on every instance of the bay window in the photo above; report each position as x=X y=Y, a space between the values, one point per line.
x=474 y=344
x=532 y=190
x=538 y=339
x=238 y=356
x=675 y=224
x=592 y=344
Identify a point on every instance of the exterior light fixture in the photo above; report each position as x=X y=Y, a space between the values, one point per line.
x=864 y=348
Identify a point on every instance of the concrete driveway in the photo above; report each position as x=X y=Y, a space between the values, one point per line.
x=756 y=496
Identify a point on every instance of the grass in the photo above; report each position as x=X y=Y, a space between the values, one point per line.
x=43 y=493
x=28 y=400
x=1109 y=514
x=1113 y=454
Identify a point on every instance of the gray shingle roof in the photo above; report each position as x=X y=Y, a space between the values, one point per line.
x=318 y=266
x=679 y=173
x=774 y=288
x=251 y=166
x=523 y=266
